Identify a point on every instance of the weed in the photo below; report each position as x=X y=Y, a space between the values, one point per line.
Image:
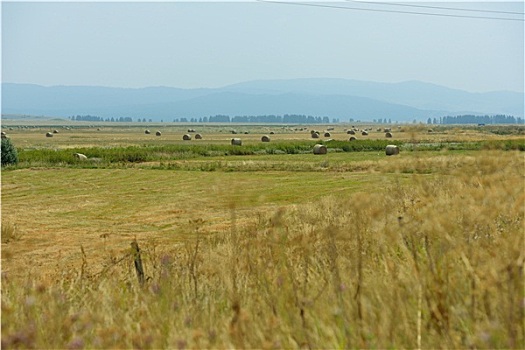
x=9 y=232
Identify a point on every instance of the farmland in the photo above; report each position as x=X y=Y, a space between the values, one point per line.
x=263 y=245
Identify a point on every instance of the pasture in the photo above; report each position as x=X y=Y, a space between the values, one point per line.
x=263 y=245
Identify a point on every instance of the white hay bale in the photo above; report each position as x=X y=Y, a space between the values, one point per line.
x=198 y=137
x=350 y=132
x=147 y=132
x=158 y=133
x=327 y=134
x=236 y=142
x=55 y=131
x=388 y=135
x=80 y=156
x=265 y=138
x=186 y=137
x=315 y=135
x=391 y=150
x=352 y=138
x=364 y=133
x=320 y=149
x=48 y=134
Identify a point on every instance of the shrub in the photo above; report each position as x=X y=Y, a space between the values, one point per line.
x=9 y=153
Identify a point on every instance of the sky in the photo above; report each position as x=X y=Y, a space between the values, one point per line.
x=214 y=44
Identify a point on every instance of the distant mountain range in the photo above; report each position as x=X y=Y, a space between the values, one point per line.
x=335 y=98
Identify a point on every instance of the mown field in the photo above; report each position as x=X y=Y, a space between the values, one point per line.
x=263 y=245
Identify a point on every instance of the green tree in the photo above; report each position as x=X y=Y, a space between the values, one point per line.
x=9 y=153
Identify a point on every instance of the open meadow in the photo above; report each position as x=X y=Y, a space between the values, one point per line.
x=263 y=245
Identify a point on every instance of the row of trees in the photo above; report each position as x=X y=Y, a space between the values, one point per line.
x=303 y=119
x=276 y=119
x=219 y=118
x=93 y=118
x=271 y=119
x=477 y=119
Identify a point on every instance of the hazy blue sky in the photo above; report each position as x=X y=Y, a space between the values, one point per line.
x=210 y=44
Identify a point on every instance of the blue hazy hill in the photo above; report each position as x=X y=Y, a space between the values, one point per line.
x=334 y=98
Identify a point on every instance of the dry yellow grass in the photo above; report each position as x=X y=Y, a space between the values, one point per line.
x=418 y=251
x=382 y=259
x=58 y=210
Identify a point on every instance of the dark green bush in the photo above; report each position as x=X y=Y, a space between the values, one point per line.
x=9 y=153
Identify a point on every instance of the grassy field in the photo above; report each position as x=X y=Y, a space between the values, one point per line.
x=264 y=249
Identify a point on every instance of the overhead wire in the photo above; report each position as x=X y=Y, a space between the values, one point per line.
x=435 y=7
x=310 y=4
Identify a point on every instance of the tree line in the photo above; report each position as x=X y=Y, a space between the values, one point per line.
x=219 y=118
x=303 y=119
x=477 y=119
x=93 y=118
x=274 y=119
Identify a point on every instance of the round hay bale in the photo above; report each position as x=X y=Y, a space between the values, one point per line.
x=430 y=130
x=198 y=137
x=265 y=138
x=236 y=142
x=272 y=133
x=364 y=133
x=320 y=149
x=391 y=150
x=388 y=135
x=327 y=134
x=158 y=133
x=186 y=137
x=191 y=130
x=350 y=132
x=80 y=156
x=315 y=135
x=352 y=138
x=147 y=132
x=55 y=131
x=388 y=129
x=4 y=135
x=48 y=134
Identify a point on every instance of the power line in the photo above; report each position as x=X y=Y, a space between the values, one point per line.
x=436 y=7
x=388 y=11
